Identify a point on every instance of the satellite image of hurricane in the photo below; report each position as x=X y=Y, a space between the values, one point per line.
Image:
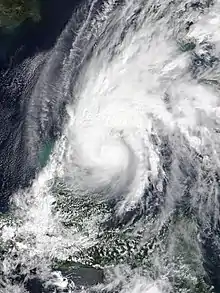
x=110 y=146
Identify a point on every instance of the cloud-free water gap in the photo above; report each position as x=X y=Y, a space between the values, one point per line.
x=131 y=187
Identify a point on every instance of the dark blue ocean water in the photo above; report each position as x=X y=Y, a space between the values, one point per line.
x=25 y=41
x=15 y=171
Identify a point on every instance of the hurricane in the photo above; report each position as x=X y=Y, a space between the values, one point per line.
x=125 y=109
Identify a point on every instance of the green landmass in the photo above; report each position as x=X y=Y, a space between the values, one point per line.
x=14 y=12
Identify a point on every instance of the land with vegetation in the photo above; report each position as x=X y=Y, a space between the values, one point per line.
x=14 y=12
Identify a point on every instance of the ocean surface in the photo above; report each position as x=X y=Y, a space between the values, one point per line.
x=109 y=149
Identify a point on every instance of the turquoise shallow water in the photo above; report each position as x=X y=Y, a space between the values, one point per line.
x=45 y=153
